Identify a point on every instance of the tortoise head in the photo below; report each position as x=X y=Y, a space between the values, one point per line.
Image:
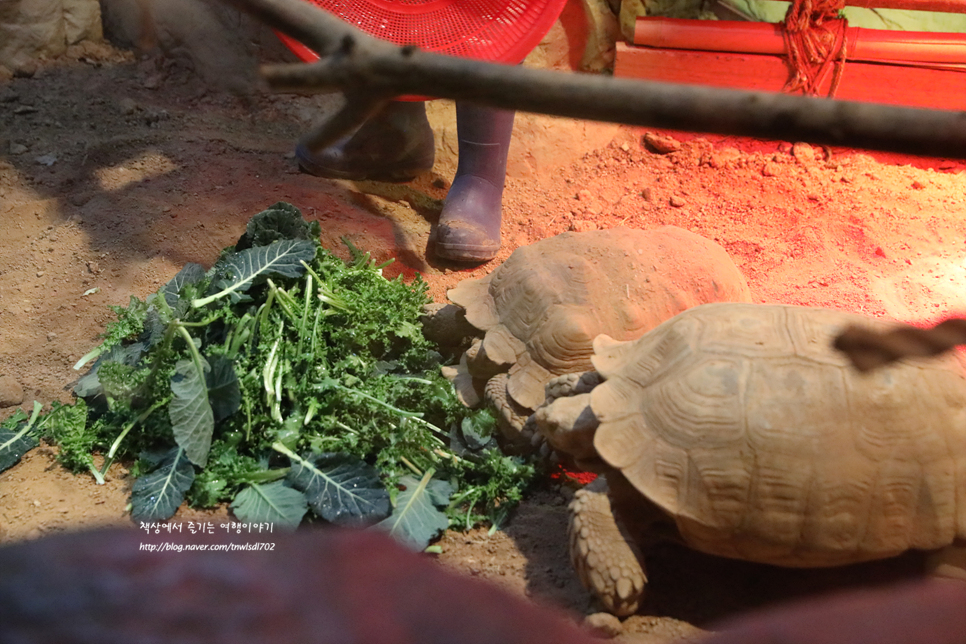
x=569 y=425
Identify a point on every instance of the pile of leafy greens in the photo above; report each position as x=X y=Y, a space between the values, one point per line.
x=282 y=380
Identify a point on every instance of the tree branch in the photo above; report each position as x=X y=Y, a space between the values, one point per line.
x=358 y=64
x=868 y=349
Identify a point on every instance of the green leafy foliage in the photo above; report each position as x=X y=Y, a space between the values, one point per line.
x=157 y=495
x=192 y=420
x=416 y=518
x=240 y=270
x=341 y=488
x=227 y=471
x=284 y=378
x=17 y=437
x=224 y=393
x=273 y=503
x=67 y=426
x=277 y=222
x=191 y=274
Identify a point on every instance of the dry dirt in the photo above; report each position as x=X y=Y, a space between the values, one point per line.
x=115 y=171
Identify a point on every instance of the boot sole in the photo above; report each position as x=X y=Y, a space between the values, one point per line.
x=464 y=254
x=385 y=175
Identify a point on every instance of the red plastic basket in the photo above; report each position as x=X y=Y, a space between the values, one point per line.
x=502 y=31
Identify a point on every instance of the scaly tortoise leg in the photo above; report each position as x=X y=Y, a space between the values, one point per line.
x=606 y=558
x=512 y=417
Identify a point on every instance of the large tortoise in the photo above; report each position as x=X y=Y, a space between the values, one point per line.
x=738 y=430
x=539 y=312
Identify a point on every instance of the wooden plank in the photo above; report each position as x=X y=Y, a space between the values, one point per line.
x=870 y=45
x=869 y=82
x=942 y=6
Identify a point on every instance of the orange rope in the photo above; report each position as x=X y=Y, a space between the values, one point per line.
x=814 y=38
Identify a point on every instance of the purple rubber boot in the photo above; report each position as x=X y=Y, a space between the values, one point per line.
x=469 y=226
x=395 y=145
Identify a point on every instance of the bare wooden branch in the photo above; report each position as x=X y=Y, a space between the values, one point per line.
x=869 y=349
x=357 y=63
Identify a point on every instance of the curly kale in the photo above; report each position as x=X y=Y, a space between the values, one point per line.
x=288 y=379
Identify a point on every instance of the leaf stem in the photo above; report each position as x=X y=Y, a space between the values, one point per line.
x=325 y=293
x=204 y=322
x=284 y=300
x=26 y=429
x=307 y=304
x=124 y=432
x=195 y=355
x=410 y=465
x=281 y=449
x=90 y=355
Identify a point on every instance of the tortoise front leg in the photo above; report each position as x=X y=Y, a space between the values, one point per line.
x=511 y=418
x=606 y=558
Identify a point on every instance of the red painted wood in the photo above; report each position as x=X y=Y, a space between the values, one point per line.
x=871 y=82
x=943 y=6
x=766 y=38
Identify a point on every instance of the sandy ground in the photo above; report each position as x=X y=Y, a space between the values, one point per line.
x=115 y=171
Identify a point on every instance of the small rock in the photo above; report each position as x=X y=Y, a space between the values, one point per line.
x=47 y=159
x=603 y=625
x=771 y=169
x=40 y=273
x=723 y=157
x=51 y=336
x=17 y=148
x=583 y=225
x=803 y=153
x=11 y=393
x=661 y=143
x=584 y=195
x=917 y=185
x=25 y=69
x=625 y=147
x=678 y=201
x=155 y=116
x=128 y=106
x=648 y=194
x=78 y=199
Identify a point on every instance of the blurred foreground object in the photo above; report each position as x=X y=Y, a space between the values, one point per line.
x=932 y=612
x=332 y=586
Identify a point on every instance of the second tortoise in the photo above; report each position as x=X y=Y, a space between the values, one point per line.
x=536 y=316
x=738 y=430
